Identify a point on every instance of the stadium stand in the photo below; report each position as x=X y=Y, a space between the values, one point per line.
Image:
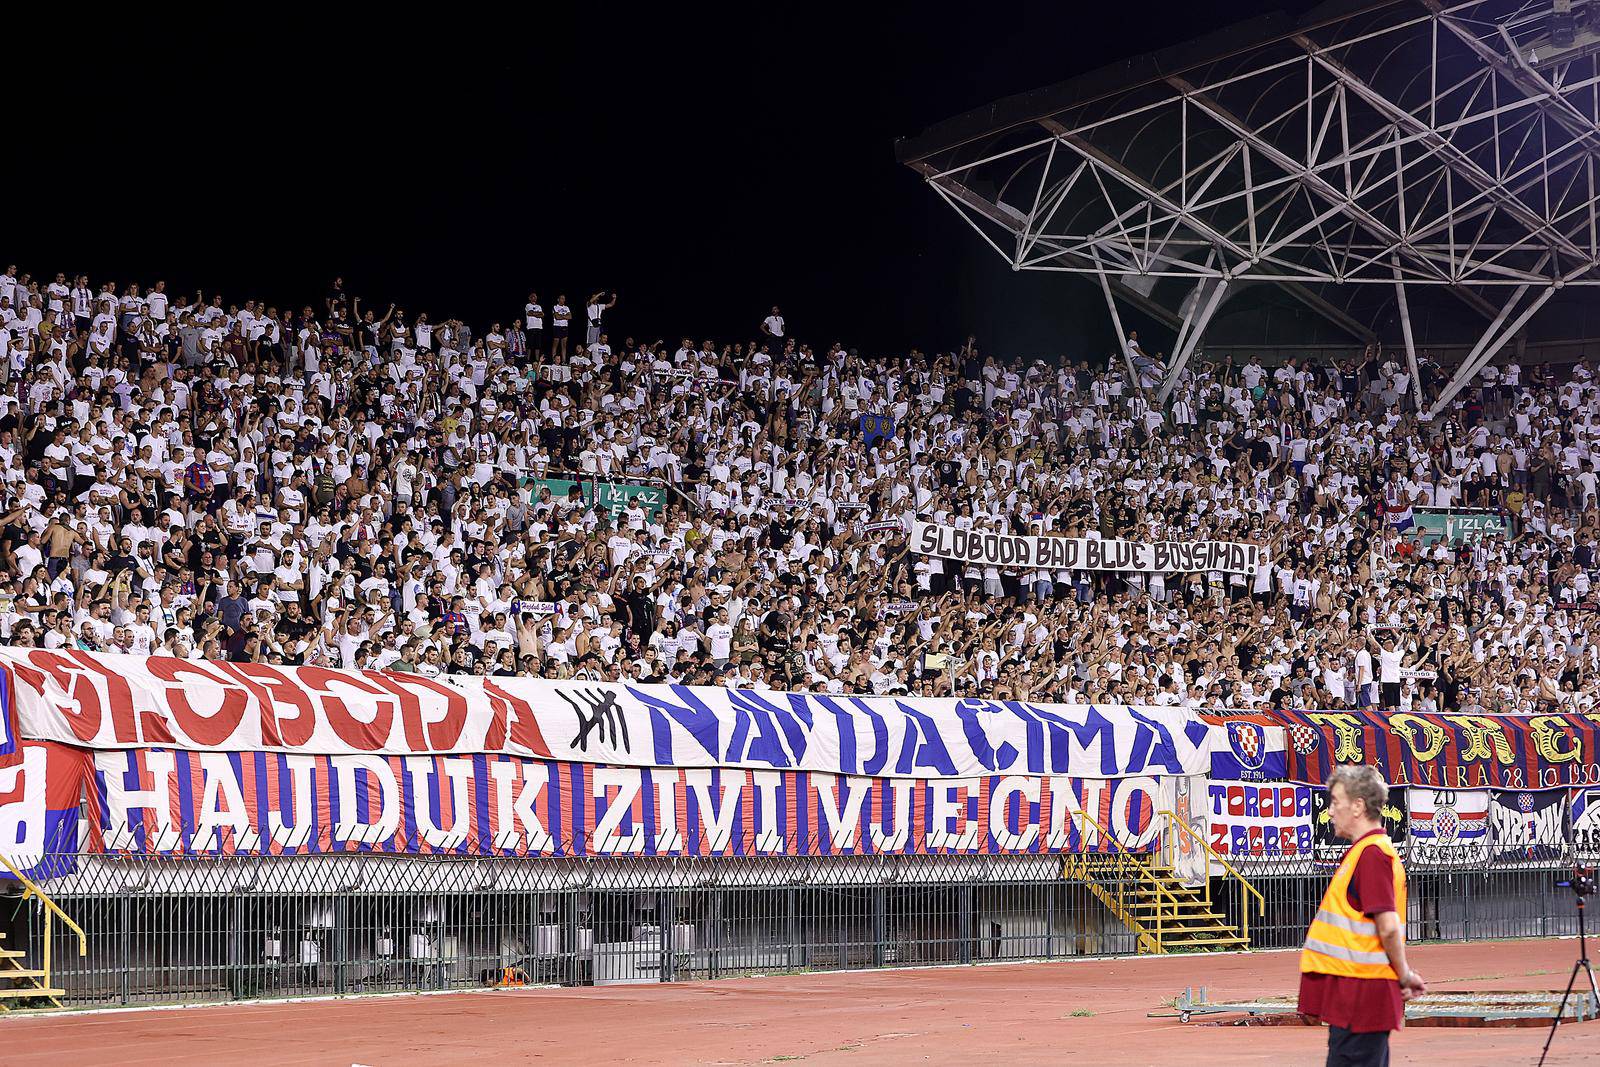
x=339 y=487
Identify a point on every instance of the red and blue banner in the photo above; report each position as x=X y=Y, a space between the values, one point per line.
x=179 y=802
x=39 y=794
x=1446 y=751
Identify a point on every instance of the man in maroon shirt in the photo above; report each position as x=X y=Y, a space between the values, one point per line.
x=1353 y=970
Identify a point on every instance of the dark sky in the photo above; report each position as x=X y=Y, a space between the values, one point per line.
x=706 y=166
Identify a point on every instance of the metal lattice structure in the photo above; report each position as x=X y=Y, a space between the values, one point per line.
x=1394 y=144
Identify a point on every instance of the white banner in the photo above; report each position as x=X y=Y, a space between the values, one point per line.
x=103 y=701
x=1259 y=821
x=1186 y=852
x=1448 y=827
x=1083 y=553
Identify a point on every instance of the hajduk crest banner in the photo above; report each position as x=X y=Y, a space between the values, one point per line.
x=107 y=702
x=1249 y=751
x=1446 y=751
x=1021 y=551
x=1448 y=827
x=186 y=803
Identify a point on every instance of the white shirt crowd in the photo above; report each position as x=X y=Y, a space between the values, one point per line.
x=191 y=477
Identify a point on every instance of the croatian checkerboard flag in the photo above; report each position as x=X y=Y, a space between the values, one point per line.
x=1243 y=751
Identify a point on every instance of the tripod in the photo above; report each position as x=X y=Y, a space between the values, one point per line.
x=1581 y=965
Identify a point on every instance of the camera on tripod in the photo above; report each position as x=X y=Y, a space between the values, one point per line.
x=1581 y=882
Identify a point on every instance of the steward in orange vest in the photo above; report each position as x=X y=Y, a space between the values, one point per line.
x=1353 y=971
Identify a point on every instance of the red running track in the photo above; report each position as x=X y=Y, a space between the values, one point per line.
x=1010 y=1014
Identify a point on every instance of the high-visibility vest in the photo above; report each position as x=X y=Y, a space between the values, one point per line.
x=1342 y=941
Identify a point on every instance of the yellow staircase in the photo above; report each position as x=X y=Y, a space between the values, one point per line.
x=1143 y=891
x=22 y=986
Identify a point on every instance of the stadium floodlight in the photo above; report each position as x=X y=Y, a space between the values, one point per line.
x=1563 y=27
x=1551 y=37
x=1348 y=160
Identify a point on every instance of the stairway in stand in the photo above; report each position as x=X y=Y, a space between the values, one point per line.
x=1163 y=913
x=22 y=986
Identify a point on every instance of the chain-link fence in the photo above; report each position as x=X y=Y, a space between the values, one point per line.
x=171 y=930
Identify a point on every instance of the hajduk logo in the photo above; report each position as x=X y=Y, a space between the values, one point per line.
x=1304 y=739
x=1249 y=744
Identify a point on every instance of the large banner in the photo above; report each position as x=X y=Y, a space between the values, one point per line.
x=1248 y=751
x=104 y=702
x=1186 y=853
x=1529 y=829
x=1329 y=847
x=993 y=549
x=1459 y=524
x=1256 y=821
x=159 y=800
x=1447 y=751
x=1448 y=827
x=1584 y=825
x=39 y=809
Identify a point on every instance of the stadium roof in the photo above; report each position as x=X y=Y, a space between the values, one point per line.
x=1367 y=154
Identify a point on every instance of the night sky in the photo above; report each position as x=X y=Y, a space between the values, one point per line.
x=705 y=167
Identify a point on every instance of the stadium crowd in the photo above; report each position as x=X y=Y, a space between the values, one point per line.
x=355 y=488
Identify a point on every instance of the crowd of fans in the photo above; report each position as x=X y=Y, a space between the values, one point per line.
x=345 y=487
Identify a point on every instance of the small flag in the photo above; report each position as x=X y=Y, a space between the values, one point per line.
x=875 y=426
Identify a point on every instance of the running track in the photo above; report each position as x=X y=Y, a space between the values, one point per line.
x=1010 y=1014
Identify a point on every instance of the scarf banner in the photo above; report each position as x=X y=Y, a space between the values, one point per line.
x=1447 y=751
x=1185 y=853
x=218 y=803
x=106 y=702
x=39 y=794
x=989 y=548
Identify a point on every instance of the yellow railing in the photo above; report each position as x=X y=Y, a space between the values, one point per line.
x=52 y=911
x=1122 y=863
x=1212 y=856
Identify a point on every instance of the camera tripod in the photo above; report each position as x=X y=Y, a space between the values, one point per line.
x=1582 y=964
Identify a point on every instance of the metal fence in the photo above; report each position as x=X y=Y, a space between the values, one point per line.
x=1462 y=902
x=172 y=930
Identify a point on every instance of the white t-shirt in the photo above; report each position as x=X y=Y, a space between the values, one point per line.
x=1363 y=667
x=720 y=635
x=1389 y=665
x=533 y=315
